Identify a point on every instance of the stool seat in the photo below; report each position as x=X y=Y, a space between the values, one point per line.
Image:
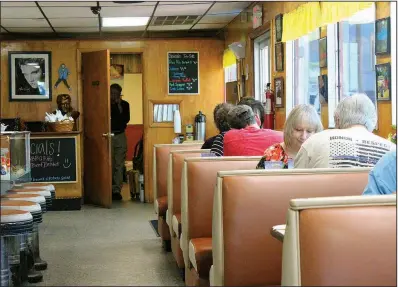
x=15 y=222
x=32 y=207
x=44 y=192
x=29 y=197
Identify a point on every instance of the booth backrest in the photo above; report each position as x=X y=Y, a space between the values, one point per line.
x=160 y=163
x=199 y=181
x=341 y=241
x=176 y=162
x=247 y=205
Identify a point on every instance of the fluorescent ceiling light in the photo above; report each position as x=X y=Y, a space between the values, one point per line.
x=124 y=21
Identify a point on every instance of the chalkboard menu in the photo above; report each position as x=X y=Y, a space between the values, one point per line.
x=53 y=159
x=183 y=73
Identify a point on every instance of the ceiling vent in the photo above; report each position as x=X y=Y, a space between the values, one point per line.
x=173 y=20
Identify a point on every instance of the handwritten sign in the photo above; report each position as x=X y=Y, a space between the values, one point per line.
x=183 y=73
x=53 y=159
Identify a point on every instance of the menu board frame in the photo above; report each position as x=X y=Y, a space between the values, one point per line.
x=76 y=158
x=168 y=73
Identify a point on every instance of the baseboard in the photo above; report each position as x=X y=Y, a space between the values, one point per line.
x=64 y=204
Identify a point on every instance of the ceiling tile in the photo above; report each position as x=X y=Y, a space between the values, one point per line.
x=208 y=26
x=146 y=3
x=17 y=4
x=68 y=12
x=123 y=29
x=169 y=27
x=175 y=10
x=66 y=3
x=228 y=7
x=222 y=18
x=182 y=2
x=77 y=30
x=74 y=22
x=127 y=11
x=30 y=30
x=15 y=23
x=20 y=13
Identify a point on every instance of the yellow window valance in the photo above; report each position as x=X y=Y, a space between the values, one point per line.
x=229 y=58
x=301 y=21
x=333 y=12
x=310 y=16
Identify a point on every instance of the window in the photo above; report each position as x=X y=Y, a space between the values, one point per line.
x=306 y=70
x=393 y=25
x=261 y=64
x=356 y=38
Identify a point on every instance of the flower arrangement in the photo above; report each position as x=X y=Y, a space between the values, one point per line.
x=393 y=137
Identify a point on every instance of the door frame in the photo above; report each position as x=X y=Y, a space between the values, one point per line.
x=79 y=52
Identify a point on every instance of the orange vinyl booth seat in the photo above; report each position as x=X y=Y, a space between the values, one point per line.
x=341 y=241
x=198 y=182
x=246 y=207
x=173 y=214
x=160 y=165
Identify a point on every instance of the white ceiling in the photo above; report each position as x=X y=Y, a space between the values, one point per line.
x=76 y=17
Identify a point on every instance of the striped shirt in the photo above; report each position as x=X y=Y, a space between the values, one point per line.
x=340 y=148
x=217 y=147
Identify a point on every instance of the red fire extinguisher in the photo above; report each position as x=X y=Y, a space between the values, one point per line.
x=269 y=106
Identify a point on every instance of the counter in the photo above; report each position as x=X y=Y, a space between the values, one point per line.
x=56 y=158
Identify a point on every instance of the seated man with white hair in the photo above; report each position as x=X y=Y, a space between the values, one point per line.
x=351 y=143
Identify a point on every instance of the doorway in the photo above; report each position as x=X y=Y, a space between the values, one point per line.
x=100 y=69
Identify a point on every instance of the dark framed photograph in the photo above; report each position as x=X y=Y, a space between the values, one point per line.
x=383 y=82
x=279 y=57
x=278 y=27
x=279 y=92
x=323 y=89
x=29 y=76
x=382 y=30
x=323 y=53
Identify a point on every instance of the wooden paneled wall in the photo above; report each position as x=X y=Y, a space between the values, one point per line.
x=154 y=69
x=132 y=62
x=240 y=31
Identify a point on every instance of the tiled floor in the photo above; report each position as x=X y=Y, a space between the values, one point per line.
x=97 y=246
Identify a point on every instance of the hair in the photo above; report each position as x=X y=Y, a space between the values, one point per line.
x=256 y=106
x=25 y=61
x=300 y=114
x=221 y=116
x=60 y=97
x=241 y=116
x=117 y=87
x=357 y=109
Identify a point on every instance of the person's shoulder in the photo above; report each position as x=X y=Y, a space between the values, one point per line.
x=125 y=103
x=319 y=138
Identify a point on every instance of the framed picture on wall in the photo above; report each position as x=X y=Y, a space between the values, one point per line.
x=323 y=89
x=383 y=82
x=323 y=53
x=29 y=76
x=279 y=92
x=382 y=27
x=279 y=57
x=278 y=27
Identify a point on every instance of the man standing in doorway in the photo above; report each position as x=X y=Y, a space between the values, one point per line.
x=120 y=116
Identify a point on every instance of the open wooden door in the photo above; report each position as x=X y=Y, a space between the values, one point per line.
x=97 y=128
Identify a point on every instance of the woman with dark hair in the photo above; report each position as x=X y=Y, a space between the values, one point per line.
x=30 y=76
x=220 y=120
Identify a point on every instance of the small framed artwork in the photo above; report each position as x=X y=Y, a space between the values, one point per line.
x=278 y=27
x=279 y=57
x=279 y=92
x=382 y=27
x=30 y=76
x=323 y=54
x=383 y=82
x=323 y=89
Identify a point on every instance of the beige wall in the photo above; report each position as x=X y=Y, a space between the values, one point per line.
x=132 y=93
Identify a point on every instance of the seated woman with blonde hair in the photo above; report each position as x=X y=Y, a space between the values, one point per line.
x=302 y=122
